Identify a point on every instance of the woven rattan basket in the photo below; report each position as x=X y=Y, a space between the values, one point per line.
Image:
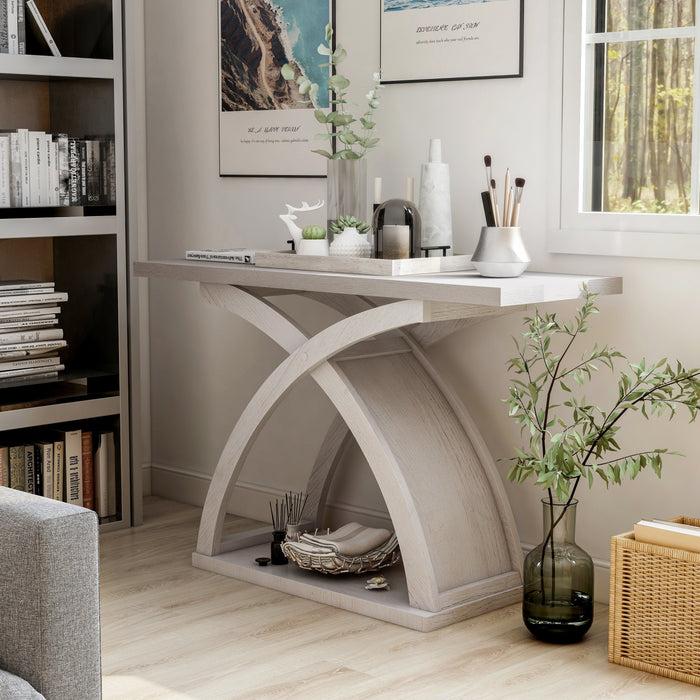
x=655 y=607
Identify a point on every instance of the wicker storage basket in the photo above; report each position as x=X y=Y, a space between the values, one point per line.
x=655 y=607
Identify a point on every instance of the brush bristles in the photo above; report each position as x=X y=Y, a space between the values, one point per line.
x=493 y=184
x=487 y=161
x=519 y=181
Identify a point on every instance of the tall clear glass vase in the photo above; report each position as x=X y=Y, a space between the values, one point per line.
x=558 y=580
x=347 y=189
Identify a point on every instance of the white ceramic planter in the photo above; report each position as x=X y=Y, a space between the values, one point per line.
x=313 y=246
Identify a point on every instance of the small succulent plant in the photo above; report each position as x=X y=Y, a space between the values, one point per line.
x=343 y=222
x=313 y=232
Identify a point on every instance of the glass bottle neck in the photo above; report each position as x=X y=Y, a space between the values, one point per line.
x=564 y=519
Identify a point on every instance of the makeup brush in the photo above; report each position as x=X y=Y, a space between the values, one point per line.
x=495 y=202
x=506 y=193
x=489 y=174
x=489 y=180
x=519 y=185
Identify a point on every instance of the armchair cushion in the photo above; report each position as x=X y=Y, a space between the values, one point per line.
x=49 y=596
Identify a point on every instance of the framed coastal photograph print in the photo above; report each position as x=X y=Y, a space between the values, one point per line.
x=427 y=40
x=266 y=127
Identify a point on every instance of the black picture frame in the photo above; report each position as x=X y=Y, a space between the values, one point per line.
x=437 y=40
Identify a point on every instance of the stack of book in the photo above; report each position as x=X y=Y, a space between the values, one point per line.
x=668 y=533
x=30 y=337
x=56 y=170
x=76 y=465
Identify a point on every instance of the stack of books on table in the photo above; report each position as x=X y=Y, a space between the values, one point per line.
x=75 y=464
x=668 y=533
x=30 y=336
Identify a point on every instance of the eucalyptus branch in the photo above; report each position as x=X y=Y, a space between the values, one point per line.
x=337 y=122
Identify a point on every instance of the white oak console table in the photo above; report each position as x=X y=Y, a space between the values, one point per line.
x=460 y=550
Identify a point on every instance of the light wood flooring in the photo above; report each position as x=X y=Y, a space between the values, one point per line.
x=172 y=631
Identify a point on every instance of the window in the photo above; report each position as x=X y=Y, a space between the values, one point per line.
x=630 y=142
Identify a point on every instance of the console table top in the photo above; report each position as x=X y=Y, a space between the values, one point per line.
x=464 y=287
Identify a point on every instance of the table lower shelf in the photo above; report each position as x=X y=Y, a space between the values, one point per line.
x=347 y=591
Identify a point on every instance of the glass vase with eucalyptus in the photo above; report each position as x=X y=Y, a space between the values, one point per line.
x=558 y=579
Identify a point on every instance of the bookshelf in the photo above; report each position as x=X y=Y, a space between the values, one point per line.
x=82 y=249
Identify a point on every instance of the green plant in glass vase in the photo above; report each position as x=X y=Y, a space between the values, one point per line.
x=571 y=439
x=349 y=138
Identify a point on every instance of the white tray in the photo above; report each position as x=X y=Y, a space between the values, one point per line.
x=362 y=266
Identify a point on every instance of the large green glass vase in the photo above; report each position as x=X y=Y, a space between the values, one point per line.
x=558 y=580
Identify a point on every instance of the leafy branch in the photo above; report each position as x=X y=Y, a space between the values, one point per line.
x=355 y=135
x=576 y=439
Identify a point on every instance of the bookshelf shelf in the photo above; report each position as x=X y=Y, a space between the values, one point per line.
x=77 y=410
x=47 y=68
x=62 y=224
x=81 y=249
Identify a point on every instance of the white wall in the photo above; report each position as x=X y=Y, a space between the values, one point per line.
x=205 y=366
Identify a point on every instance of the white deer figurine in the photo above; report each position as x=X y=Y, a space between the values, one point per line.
x=289 y=218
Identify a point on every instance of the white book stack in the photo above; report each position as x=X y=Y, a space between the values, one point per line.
x=39 y=169
x=30 y=335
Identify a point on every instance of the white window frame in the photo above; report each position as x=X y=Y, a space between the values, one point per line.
x=675 y=236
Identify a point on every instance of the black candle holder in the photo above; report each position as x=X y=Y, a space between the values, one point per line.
x=276 y=553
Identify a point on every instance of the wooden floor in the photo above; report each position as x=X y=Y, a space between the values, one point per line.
x=172 y=631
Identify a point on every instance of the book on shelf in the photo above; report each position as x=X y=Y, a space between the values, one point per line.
x=18 y=471
x=105 y=475
x=35 y=372
x=28 y=323
x=5 y=177
x=41 y=361
x=4 y=466
x=244 y=256
x=17 y=287
x=33 y=345
x=88 y=471
x=72 y=463
x=668 y=534
x=19 y=354
x=4 y=39
x=43 y=456
x=29 y=311
x=15 y=26
x=59 y=466
x=30 y=335
x=28 y=378
x=32 y=299
x=39 y=26
x=32 y=485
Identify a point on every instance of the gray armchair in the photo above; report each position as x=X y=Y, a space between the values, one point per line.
x=49 y=599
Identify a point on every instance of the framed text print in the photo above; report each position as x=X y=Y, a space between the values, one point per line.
x=424 y=40
x=266 y=127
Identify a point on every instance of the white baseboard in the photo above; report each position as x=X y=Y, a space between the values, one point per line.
x=251 y=500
